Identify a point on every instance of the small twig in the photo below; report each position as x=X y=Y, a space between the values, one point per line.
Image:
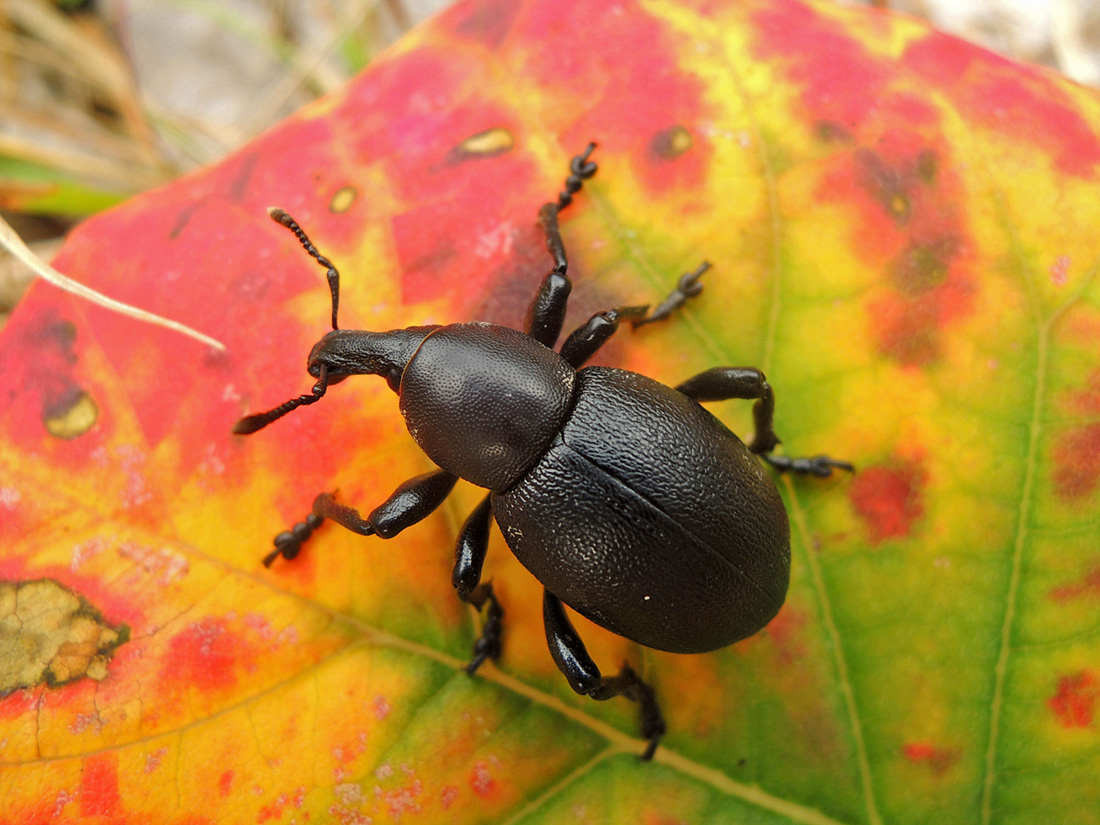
x=10 y=241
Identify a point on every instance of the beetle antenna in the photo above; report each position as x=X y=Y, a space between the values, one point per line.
x=251 y=423
x=281 y=217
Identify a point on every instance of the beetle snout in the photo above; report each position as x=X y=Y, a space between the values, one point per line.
x=322 y=356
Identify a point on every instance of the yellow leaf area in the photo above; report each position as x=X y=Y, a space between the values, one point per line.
x=902 y=230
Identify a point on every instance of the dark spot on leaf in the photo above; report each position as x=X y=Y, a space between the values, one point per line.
x=829 y=131
x=66 y=410
x=50 y=635
x=182 y=219
x=342 y=199
x=242 y=168
x=487 y=144
x=487 y=22
x=671 y=143
x=927 y=166
x=888 y=498
x=71 y=414
x=1074 y=702
x=923 y=266
x=886 y=183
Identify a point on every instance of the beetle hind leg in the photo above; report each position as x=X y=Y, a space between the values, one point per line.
x=724 y=383
x=470 y=550
x=412 y=501
x=584 y=676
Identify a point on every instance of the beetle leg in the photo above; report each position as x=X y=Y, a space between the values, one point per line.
x=546 y=314
x=470 y=550
x=411 y=502
x=723 y=383
x=583 y=343
x=687 y=287
x=584 y=677
x=820 y=466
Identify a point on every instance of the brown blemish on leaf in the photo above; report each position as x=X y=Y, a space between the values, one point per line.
x=888 y=498
x=72 y=415
x=61 y=404
x=1077 y=451
x=671 y=143
x=829 y=131
x=1074 y=702
x=487 y=144
x=939 y=759
x=924 y=265
x=785 y=632
x=887 y=183
x=487 y=22
x=342 y=199
x=51 y=635
x=1086 y=587
x=909 y=222
x=1077 y=463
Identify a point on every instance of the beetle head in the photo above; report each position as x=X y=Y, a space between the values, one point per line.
x=341 y=352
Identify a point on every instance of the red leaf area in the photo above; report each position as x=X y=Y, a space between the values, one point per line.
x=938 y=759
x=1074 y=703
x=910 y=219
x=205 y=656
x=888 y=498
x=441 y=247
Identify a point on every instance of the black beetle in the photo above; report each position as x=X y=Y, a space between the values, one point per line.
x=625 y=498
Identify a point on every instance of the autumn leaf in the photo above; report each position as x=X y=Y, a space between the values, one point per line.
x=902 y=229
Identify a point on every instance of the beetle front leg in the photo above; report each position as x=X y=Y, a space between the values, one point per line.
x=411 y=502
x=584 y=677
x=546 y=314
x=724 y=383
x=470 y=551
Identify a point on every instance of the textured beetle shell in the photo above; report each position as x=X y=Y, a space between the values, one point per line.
x=651 y=518
x=485 y=401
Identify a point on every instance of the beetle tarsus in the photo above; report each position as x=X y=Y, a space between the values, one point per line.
x=580 y=170
x=488 y=644
x=628 y=683
x=686 y=288
x=288 y=544
x=820 y=466
x=580 y=670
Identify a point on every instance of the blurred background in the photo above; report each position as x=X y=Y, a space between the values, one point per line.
x=101 y=99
